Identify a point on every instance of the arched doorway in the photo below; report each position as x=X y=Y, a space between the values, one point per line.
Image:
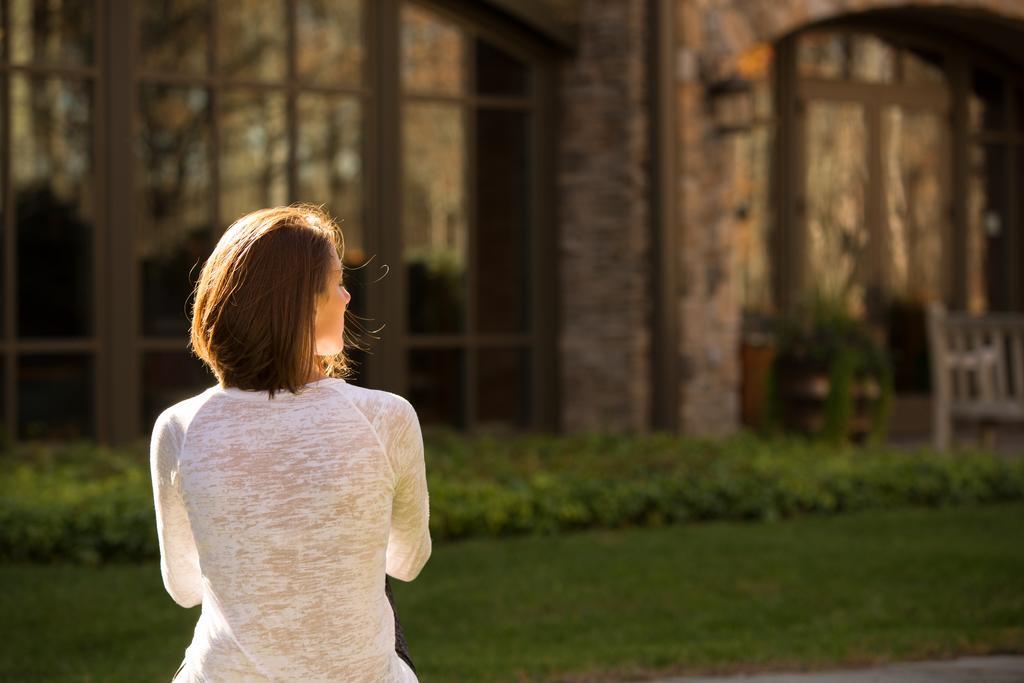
x=888 y=211
x=896 y=140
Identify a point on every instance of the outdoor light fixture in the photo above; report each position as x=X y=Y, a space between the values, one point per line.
x=732 y=98
x=732 y=105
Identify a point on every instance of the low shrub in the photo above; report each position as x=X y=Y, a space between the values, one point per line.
x=89 y=504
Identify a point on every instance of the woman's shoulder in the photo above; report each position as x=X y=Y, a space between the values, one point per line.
x=180 y=414
x=381 y=407
x=372 y=396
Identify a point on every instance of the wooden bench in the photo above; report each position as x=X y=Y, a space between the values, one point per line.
x=977 y=366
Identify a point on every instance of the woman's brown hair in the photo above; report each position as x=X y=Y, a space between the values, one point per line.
x=254 y=318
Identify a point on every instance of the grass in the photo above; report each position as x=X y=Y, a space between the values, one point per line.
x=603 y=605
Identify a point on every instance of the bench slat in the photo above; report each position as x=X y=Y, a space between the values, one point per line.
x=962 y=389
x=983 y=350
x=999 y=371
x=983 y=366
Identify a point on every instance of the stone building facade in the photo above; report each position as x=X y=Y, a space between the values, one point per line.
x=651 y=317
x=562 y=215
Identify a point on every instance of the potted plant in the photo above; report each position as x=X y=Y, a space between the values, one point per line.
x=830 y=377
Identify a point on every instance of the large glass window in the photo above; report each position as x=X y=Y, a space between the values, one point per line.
x=880 y=212
x=917 y=256
x=836 y=250
x=224 y=131
x=914 y=147
x=876 y=141
x=467 y=159
x=413 y=124
x=750 y=153
x=49 y=314
x=993 y=239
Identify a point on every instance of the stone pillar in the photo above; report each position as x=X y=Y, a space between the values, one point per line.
x=604 y=222
x=708 y=316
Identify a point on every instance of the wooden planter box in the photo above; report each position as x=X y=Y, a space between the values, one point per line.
x=804 y=393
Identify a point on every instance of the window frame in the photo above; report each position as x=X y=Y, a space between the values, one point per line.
x=121 y=352
x=91 y=346
x=538 y=342
x=791 y=152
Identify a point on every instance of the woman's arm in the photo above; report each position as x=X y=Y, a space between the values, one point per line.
x=179 y=559
x=409 y=543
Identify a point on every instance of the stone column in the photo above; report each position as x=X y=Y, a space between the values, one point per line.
x=604 y=223
x=708 y=316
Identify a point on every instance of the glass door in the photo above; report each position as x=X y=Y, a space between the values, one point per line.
x=915 y=235
x=469 y=107
x=837 y=234
x=875 y=196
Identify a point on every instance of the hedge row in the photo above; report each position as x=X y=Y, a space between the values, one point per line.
x=91 y=504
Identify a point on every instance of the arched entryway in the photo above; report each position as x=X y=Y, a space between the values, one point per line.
x=901 y=146
x=879 y=152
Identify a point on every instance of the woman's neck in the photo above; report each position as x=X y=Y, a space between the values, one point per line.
x=315 y=374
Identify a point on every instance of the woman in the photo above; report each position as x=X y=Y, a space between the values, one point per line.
x=283 y=493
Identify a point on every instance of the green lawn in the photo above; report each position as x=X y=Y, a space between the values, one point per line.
x=606 y=605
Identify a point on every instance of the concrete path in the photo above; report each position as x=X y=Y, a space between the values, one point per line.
x=989 y=669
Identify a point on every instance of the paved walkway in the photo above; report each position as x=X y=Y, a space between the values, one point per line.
x=990 y=669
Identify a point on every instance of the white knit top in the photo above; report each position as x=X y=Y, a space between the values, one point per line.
x=280 y=517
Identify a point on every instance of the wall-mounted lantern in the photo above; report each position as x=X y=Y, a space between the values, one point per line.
x=732 y=105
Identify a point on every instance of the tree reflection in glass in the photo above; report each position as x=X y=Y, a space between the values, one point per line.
x=330 y=167
x=174 y=211
x=253 y=152
x=54 y=193
x=837 y=233
x=173 y=36
x=846 y=56
x=748 y=192
x=913 y=151
x=329 y=41
x=434 y=224
x=251 y=44
x=330 y=172
x=56 y=32
x=433 y=54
